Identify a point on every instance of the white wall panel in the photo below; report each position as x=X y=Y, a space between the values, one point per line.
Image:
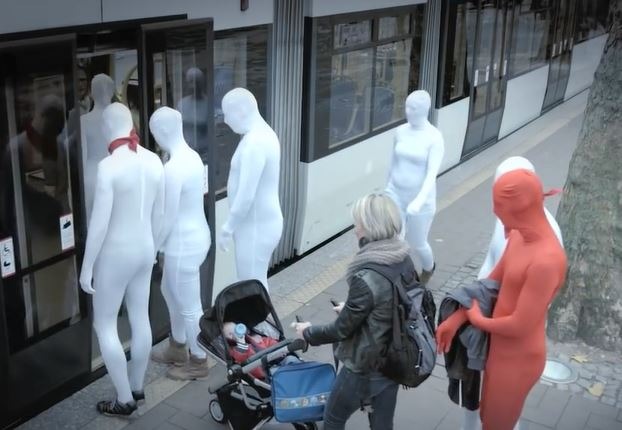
x=224 y=268
x=585 y=60
x=334 y=7
x=333 y=183
x=523 y=100
x=452 y=121
x=226 y=13
x=26 y=15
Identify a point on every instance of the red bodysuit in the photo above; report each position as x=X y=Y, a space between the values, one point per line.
x=531 y=271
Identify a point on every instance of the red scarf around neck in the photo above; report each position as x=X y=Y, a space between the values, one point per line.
x=132 y=141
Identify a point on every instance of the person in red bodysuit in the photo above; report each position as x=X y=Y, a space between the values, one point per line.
x=531 y=271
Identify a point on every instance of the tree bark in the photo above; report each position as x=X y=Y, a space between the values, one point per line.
x=589 y=306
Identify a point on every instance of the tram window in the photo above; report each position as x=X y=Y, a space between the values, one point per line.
x=532 y=19
x=391 y=26
x=592 y=19
x=391 y=87
x=364 y=67
x=240 y=60
x=459 y=41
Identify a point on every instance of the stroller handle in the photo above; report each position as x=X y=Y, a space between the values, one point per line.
x=275 y=351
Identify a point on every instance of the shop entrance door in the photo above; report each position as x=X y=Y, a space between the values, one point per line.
x=45 y=331
x=489 y=69
x=176 y=64
x=560 y=51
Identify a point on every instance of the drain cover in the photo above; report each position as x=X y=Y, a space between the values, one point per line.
x=559 y=373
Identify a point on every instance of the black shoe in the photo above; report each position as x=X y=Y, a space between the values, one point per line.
x=139 y=396
x=116 y=408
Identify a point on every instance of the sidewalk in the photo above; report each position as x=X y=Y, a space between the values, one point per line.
x=459 y=237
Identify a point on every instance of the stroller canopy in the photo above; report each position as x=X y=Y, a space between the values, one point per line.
x=244 y=302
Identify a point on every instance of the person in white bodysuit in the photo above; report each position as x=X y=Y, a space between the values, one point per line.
x=498 y=242
x=185 y=240
x=255 y=220
x=120 y=251
x=417 y=156
x=93 y=141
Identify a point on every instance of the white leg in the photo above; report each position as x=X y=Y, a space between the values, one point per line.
x=178 y=331
x=471 y=420
x=186 y=289
x=253 y=250
x=110 y=287
x=137 y=303
x=417 y=230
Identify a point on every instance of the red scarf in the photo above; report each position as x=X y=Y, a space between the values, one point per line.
x=131 y=141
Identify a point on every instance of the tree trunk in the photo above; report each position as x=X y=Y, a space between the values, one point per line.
x=590 y=212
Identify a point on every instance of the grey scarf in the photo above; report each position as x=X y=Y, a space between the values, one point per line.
x=386 y=252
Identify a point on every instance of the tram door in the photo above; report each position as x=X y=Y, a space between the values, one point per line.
x=489 y=29
x=560 y=52
x=44 y=324
x=176 y=64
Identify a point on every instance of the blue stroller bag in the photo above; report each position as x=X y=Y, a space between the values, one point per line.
x=300 y=391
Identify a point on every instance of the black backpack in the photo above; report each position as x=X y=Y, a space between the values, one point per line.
x=411 y=355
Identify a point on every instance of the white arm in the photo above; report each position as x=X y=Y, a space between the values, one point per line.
x=392 y=160
x=172 y=185
x=496 y=247
x=157 y=215
x=252 y=162
x=435 y=158
x=98 y=227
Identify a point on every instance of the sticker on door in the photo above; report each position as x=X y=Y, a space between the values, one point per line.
x=7 y=257
x=67 y=239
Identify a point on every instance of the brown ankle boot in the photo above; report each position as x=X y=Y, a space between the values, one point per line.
x=426 y=275
x=195 y=368
x=175 y=353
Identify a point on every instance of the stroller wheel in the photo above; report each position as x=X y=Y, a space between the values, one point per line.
x=216 y=412
x=305 y=426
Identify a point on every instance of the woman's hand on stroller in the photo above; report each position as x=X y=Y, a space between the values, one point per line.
x=300 y=328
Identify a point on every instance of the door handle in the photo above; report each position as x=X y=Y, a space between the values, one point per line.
x=505 y=67
x=554 y=48
x=475 y=77
x=487 y=73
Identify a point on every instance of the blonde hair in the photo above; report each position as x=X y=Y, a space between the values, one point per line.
x=378 y=216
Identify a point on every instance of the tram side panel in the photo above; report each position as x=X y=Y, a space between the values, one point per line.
x=332 y=184
x=523 y=100
x=452 y=121
x=585 y=59
x=28 y=15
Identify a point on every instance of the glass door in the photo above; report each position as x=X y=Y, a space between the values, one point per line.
x=176 y=67
x=43 y=314
x=560 y=52
x=488 y=80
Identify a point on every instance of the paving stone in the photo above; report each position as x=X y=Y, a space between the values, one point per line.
x=188 y=421
x=153 y=418
x=608 y=400
x=574 y=388
x=584 y=383
x=193 y=399
x=599 y=422
x=549 y=409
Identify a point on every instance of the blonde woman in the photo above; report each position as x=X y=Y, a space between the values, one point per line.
x=362 y=330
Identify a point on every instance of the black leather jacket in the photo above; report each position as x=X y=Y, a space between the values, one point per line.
x=363 y=328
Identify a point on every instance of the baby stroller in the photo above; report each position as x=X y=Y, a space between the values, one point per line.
x=242 y=400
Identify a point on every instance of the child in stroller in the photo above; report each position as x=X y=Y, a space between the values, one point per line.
x=243 y=396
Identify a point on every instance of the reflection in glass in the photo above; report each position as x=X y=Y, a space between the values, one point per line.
x=55 y=294
x=38 y=132
x=240 y=60
x=391 y=26
x=352 y=34
x=391 y=85
x=349 y=102
x=487 y=18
